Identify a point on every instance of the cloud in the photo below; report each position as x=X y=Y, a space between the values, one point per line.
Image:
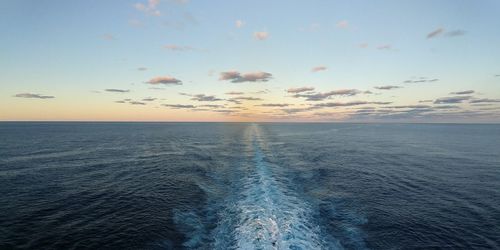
x=212 y=106
x=421 y=79
x=148 y=99
x=36 y=96
x=454 y=33
x=167 y=80
x=275 y=105
x=435 y=33
x=108 y=37
x=385 y=47
x=410 y=107
x=246 y=98
x=179 y=106
x=137 y=103
x=117 y=90
x=344 y=24
x=142 y=68
x=363 y=45
x=387 y=87
x=234 y=93
x=446 y=107
x=150 y=7
x=205 y=98
x=299 y=90
x=423 y=101
x=319 y=68
x=261 y=35
x=237 y=77
x=239 y=24
x=453 y=99
x=346 y=104
x=485 y=100
x=323 y=96
x=178 y=48
x=440 y=32
x=466 y=92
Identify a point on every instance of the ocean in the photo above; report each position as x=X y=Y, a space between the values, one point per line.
x=73 y=185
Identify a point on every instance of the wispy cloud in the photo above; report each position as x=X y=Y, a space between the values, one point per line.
x=485 y=100
x=299 y=90
x=274 y=105
x=167 y=80
x=234 y=93
x=319 y=68
x=178 y=48
x=142 y=69
x=108 y=37
x=148 y=99
x=347 y=104
x=117 y=90
x=179 y=106
x=387 y=87
x=465 y=92
x=237 y=77
x=452 y=99
x=151 y=7
x=344 y=24
x=441 y=32
x=36 y=96
x=435 y=33
x=261 y=35
x=239 y=24
x=205 y=98
x=421 y=79
x=137 y=103
x=384 y=47
x=326 y=95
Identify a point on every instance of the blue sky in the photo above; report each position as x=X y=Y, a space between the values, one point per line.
x=97 y=60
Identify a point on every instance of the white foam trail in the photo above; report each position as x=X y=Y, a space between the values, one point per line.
x=271 y=216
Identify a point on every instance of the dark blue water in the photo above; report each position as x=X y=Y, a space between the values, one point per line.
x=249 y=186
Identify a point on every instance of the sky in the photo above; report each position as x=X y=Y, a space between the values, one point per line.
x=246 y=61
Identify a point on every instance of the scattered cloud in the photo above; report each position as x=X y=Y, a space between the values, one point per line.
x=410 y=107
x=246 y=98
x=151 y=7
x=237 y=77
x=363 y=45
x=440 y=32
x=178 y=48
x=274 y=105
x=344 y=24
x=148 y=99
x=261 y=35
x=36 y=96
x=424 y=101
x=137 y=103
x=179 y=106
x=421 y=79
x=167 y=80
x=384 y=47
x=319 y=68
x=326 y=95
x=465 y=92
x=142 y=69
x=234 y=93
x=108 y=37
x=117 y=90
x=239 y=24
x=299 y=90
x=485 y=100
x=205 y=98
x=435 y=33
x=454 y=33
x=387 y=87
x=453 y=99
x=347 y=104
